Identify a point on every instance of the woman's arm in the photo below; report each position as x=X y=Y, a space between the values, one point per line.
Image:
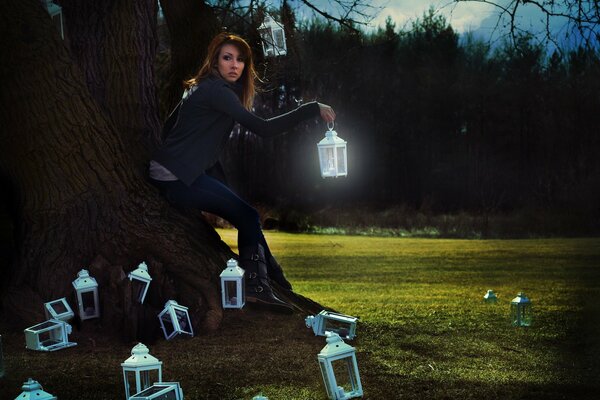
x=226 y=101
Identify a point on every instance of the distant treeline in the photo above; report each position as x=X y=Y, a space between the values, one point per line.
x=434 y=121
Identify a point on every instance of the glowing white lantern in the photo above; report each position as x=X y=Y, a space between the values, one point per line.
x=58 y=309
x=333 y=157
x=490 y=297
x=50 y=335
x=339 y=369
x=140 y=369
x=55 y=12
x=232 y=285
x=327 y=321
x=86 y=289
x=160 y=391
x=175 y=320
x=33 y=390
x=273 y=38
x=520 y=310
x=140 y=281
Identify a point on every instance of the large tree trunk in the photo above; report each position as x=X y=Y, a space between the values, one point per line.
x=81 y=202
x=73 y=158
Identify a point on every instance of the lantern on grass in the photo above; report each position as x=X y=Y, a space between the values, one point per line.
x=327 y=321
x=33 y=390
x=175 y=320
x=260 y=397
x=339 y=369
x=140 y=281
x=490 y=297
x=140 y=369
x=333 y=158
x=520 y=310
x=160 y=391
x=58 y=309
x=86 y=290
x=50 y=335
x=232 y=285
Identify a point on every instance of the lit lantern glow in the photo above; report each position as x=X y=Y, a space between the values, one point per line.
x=140 y=281
x=140 y=369
x=86 y=289
x=232 y=286
x=33 y=390
x=272 y=36
x=490 y=297
x=160 y=391
x=50 y=335
x=327 y=321
x=175 y=320
x=339 y=369
x=58 y=309
x=333 y=158
x=520 y=310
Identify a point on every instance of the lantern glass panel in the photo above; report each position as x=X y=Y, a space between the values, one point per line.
x=341 y=162
x=167 y=324
x=138 y=288
x=345 y=377
x=521 y=314
x=183 y=321
x=88 y=303
x=340 y=327
x=130 y=382
x=231 y=298
x=326 y=381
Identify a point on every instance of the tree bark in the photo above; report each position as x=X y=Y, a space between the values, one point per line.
x=81 y=202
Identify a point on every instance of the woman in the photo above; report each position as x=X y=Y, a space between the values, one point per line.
x=221 y=94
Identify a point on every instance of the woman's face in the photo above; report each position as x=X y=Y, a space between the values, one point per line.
x=231 y=63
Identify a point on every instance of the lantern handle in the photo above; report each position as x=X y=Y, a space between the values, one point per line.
x=330 y=125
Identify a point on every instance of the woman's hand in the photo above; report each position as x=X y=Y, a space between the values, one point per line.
x=327 y=112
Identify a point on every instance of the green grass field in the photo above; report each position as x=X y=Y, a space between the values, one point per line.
x=425 y=331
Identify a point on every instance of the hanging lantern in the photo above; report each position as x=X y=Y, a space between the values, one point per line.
x=58 y=309
x=139 y=369
x=50 y=335
x=333 y=157
x=327 y=321
x=140 y=281
x=339 y=369
x=272 y=36
x=55 y=12
x=490 y=297
x=520 y=310
x=232 y=286
x=33 y=390
x=86 y=290
x=160 y=391
x=175 y=320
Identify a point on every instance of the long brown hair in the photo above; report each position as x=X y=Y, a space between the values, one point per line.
x=209 y=66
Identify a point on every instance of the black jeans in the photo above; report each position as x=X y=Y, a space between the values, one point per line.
x=211 y=195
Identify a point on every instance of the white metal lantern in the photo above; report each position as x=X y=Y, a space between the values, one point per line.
x=50 y=335
x=140 y=369
x=333 y=157
x=55 y=12
x=339 y=369
x=33 y=390
x=140 y=281
x=160 y=391
x=232 y=285
x=327 y=321
x=272 y=35
x=520 y=310
x=175 y=320
x=58 y=309
x=490 y=297
x=86 y=290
